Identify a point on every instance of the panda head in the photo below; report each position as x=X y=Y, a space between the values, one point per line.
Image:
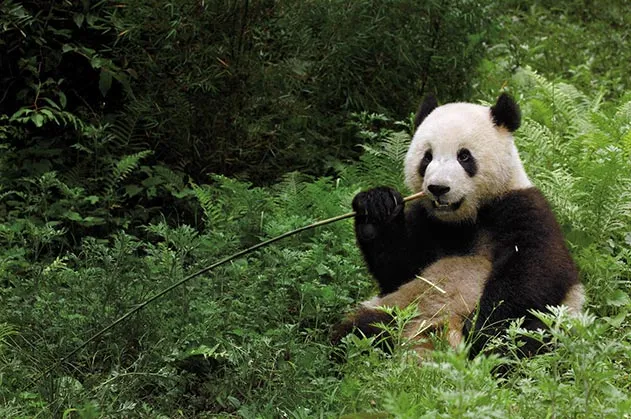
x=463 y=155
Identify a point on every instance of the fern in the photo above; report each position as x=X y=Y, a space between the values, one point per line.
x=119 y=134
x=205 y=196
x=122 y=169
x=5 y=331
x=231 y=205
x=384 y=153
x=127 y=164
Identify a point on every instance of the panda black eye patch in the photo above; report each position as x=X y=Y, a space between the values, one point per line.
x=467 y=161
x=427 y=159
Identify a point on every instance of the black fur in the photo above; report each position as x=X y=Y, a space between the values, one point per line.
x=364 y=322
x=531 y=265
x=438 y=190
x=396 y=244
x=429 y=104
x=506 y=113
x=468 y=162
x=427 y=159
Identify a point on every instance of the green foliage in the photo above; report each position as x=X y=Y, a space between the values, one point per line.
x=106 y=104
x=584 y=375
x=231 y=86
x=69 y=164
x=385 y=144
x=49 y=61
x=581 y=41
x=271 y=310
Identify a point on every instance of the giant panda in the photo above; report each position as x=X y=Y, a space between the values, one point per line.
x=482 y=246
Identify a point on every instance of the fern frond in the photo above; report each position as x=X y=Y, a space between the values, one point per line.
x=207 y=200
x=616 y=214
x=567 y=105
x=579 y=155
x=382 y=161
x=560 y=187
x=536 y=143
x=121 y=131
x=623 y=121
x=291 y=183
x=123 y=168
x=79 y=174
x=128 y=163
x=623 y=113
x=122 y=134
x=392 y=147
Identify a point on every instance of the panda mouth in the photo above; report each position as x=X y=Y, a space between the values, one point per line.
x=446 y=206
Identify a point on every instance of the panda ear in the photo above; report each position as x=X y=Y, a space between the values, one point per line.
x=505 y=113
x=428 y=105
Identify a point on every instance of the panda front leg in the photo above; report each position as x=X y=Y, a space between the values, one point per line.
x=532 y=269
x=384 y=238
x=387 y=241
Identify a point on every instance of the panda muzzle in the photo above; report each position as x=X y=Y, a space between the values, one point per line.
x=446 y=206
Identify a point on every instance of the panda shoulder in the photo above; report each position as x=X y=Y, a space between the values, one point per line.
x=524 y=208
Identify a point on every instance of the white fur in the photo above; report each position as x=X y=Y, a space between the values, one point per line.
x=445 y=131
x=445 y=293
x=575 y=298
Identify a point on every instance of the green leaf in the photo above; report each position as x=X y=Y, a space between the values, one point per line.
x=618 y=299
x=20 y=113
x=95 y=60
x=132 y=190
x=105 y=81
x=93 y=221
x=92 y=19
x=62 y=99
x=73 y=216
x=202 y=350
x=78 y=19
x=47 y=112
x=38 y=120
x=617 y=320
x=51 y=103
x=322 y=270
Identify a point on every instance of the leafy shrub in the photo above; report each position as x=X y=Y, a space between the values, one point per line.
x=271 y=309
x=582 y=42
x=234 y=87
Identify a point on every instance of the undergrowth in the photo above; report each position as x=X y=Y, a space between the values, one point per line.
x=250 y=339
x=107 y=104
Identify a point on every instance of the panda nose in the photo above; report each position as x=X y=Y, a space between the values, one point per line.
x=438 y=190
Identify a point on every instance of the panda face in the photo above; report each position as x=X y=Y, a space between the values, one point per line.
x=462 y=155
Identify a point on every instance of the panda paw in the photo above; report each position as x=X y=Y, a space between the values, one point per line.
x=378 y=206
x=364 y=322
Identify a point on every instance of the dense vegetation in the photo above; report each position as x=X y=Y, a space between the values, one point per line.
x=141 y=141
x=251 y=89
